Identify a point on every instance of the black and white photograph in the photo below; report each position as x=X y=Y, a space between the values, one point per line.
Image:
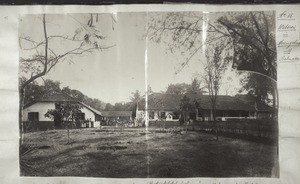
x=165 y=94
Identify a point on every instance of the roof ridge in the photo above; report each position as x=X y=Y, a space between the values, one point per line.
x=91 y=108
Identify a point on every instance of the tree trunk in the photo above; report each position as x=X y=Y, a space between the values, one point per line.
x=215 y=121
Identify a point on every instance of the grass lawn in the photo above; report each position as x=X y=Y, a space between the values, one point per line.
x=94 y=153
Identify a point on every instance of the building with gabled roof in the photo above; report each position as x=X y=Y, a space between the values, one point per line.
x=167 y=107
x=160 y=106
x=34 y=113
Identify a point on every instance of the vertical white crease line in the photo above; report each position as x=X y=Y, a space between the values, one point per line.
x=146 y=77
x=146 y=98
x=116 y=33
x=204 y=30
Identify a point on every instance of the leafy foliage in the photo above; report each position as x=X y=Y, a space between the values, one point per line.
x=179 y=88
x=178 y=30
x=65 y=112
x=186 y=104
x=184 y=88
x=35 y=91
x=261 y=88
x=248 y=36
x=214 y=71
x=253 y=37
x=136 y=96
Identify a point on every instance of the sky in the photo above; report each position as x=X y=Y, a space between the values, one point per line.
x=113 y=74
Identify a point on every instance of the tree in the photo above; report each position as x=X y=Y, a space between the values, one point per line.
x=119 y=106
x=184 y=88
x=195 y=87
x=65 y=112
x=135 y=99
x=186 y=105
x=78 y=95
x=38 y=58
x=213 y=72
x=109 y=107
x=150 y=91
x=250 y=36
x=136 y=96
x=34 y=91
x=253 y=37
x=178 y=89
x=261 y=88
x=52 y=86
x=182 y=33
x=97 y=104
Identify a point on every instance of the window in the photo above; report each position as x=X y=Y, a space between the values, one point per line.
x=151 y=115
x=163 y=115
x=81 y=116
x=33 y=116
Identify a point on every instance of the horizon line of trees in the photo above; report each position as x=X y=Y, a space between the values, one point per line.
x=35 y=91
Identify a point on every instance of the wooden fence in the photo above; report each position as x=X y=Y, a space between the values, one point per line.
x=260 y=130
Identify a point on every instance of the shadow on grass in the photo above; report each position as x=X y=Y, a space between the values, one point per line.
x=130 y=156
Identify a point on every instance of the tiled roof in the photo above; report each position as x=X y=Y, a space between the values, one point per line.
x=57 y=97
x=63 y=97
x=224 y=103
x=251 y=101
x=163 y=101
x=116 y=113
x=91 y=109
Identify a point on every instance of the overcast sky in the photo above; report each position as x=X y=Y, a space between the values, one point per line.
x=111 y=75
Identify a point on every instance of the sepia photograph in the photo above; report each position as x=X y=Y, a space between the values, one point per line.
x=148 y=95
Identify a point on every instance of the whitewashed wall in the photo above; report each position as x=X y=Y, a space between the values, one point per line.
x=89 y=115
x=41 y=107
x=141 y=114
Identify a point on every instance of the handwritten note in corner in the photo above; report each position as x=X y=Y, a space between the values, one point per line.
x=288 y=40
